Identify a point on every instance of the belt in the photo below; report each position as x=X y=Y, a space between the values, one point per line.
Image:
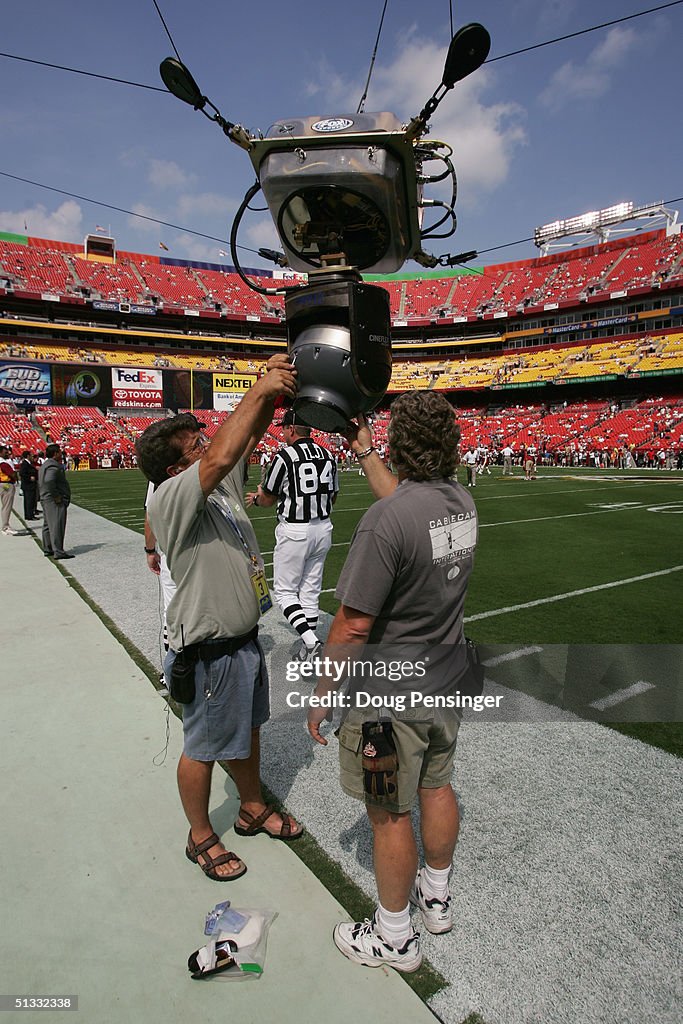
x=208 y=650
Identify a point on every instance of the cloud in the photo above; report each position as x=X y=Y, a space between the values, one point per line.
x=592 y=78
x=204 y=204
x=484 y=137
x=138 y=223
x=261 y=235
x=191 y=248
x=547 y=17
x=167 y=174
x=64 y=223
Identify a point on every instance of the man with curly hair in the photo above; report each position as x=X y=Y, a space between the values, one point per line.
x=404 y=583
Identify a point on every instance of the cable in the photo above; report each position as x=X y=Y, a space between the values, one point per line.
x=252 y=191
x=584 y=31
x=214 y=238
x=120 y=209
x=175 y=48
x=491 y=60
x=89 y=74
x=363 y=98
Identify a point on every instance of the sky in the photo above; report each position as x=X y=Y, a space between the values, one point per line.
x=568 y=128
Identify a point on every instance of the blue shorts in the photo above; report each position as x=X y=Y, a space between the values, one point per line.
x=232 y=697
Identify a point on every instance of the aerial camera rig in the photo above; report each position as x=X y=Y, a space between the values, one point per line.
x=346 y=196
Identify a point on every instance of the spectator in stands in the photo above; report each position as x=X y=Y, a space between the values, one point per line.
x=215 y=665
x=8 y=481
x=28 y=474
x=55 y=497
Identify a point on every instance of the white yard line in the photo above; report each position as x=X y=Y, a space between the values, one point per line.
x=621 y=695
x=566 y=515
x=516 y=522
x=572 y=593
x=523 y=652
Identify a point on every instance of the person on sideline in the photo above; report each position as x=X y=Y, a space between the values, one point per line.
x=55 y=498
x=302 y=479
x=215 y=666
x=404 y=582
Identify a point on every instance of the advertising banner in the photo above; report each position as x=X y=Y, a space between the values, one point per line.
x=229 y=388
x=234 y=383
x=25 y=383
x=83 y=386
x=185 y=390
x=135 y=386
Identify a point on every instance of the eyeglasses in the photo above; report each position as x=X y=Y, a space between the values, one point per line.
x=199 y=445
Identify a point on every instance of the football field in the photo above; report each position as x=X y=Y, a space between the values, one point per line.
x=585 y=558
x=566 y=881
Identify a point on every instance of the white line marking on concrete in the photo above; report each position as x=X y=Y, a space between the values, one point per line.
x=523 y=652
x=572 y=593
x=621 y=695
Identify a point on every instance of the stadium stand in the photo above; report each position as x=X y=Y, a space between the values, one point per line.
x=83 y=431
x=646 y=261
x=17 y=431
x=486 y=366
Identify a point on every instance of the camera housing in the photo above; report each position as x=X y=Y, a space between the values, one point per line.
x=338 y=331
x=346 y=194
x=341 y=186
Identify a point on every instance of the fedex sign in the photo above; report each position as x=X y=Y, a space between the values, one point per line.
x=134 y=386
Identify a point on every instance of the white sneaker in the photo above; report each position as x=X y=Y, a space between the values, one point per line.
x=9 y=532
x=359 y=941
x=437 y=914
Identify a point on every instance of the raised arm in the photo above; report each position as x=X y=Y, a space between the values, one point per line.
x=242 y=431
x=382 y=481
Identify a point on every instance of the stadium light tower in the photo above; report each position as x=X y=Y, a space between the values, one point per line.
x=600 y=225
x=346 y=194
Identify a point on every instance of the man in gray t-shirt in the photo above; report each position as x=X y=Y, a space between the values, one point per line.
x=404 y=583
x=215 y=665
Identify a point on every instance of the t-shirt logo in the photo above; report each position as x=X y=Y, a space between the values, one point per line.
x=453 y=537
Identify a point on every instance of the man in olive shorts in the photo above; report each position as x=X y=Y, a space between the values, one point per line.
x=403 y=588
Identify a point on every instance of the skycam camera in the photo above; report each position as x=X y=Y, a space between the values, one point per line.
x=346 y=194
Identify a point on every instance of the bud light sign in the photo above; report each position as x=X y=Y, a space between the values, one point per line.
x=25 y=383
x=135 y=386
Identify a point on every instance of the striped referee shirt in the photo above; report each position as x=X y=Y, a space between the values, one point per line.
x=304 y=476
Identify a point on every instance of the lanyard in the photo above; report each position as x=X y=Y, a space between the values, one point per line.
x=222 y=505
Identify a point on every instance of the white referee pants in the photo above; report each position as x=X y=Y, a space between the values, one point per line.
x=298 y=563
x=168 y=587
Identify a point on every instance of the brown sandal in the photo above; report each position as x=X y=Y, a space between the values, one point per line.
x=209 y=864
x=256 y=822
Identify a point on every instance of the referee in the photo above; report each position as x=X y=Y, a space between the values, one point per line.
x=302 y=479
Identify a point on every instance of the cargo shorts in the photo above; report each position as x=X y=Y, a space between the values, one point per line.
x=425 y=746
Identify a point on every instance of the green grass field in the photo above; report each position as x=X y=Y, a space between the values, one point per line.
x=573 y=557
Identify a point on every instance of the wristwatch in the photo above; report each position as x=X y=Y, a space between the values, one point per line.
x=150 y=551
